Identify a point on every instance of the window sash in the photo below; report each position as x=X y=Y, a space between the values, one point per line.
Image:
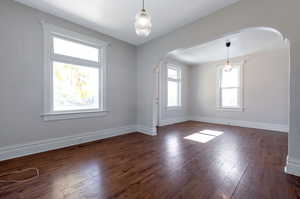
x=70 y=59
x=75 y=61
x=239 y=89
x=178 y=81
x=177 y=94
x=238 y=78
x=178 y=78
x=238 y=97
x=69 y=39
x=83 y=108
x=51 y=31
x=69 y=36
x=100 y=92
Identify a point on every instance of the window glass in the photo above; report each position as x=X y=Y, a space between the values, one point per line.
x=230 y=79
x=173 y=93
x=75 y=87
x=73 y=49
x=230 y=97
x=172 y=73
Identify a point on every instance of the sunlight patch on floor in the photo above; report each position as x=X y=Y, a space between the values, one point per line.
x=204 y=136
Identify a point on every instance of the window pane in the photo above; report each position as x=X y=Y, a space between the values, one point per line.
x=173 y=93
x=73 y=49
x=230 y=97
x=231 y=79
x=75 y=87
x=172 y=73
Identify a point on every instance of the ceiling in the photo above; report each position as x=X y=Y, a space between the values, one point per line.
x=242 y=43
x=116 y=18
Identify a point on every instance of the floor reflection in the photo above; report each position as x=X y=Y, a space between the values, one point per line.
x=87 y=176
x=172 y=144
x=173 y=152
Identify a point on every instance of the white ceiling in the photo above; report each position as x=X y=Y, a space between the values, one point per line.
x=242 y=43
x=116 y=18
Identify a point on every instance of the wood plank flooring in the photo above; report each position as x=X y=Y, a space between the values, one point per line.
x=241 y=163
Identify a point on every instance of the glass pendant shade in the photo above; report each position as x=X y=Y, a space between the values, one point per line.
x=228 y=67
x=143 y=23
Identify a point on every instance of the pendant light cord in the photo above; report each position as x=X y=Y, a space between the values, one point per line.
x=143 y=4
x=228 y=44
x=227 y=54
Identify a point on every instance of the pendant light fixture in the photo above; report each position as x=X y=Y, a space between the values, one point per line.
x=228 y=66
x=143 y=23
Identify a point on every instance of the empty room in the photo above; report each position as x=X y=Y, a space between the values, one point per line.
x=149 y=99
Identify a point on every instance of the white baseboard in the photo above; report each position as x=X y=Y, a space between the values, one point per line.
x=170 y=121
x=247 y=124
x=56 y=143
x=146 y=130
x=292 y=166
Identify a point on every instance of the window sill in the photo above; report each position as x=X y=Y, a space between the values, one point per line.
x=231 y=109
x=72 y=115
x=174 y=108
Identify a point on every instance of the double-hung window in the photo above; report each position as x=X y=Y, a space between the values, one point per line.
x=230 y=88
x=173 y=86
x=74 y=75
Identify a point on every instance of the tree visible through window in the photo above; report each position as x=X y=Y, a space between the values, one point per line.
x=75 y=87
x=75 y=74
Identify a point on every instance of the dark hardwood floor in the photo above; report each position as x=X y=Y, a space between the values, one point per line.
x=241 y=163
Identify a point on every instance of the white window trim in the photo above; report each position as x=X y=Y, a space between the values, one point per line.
x=241 y=93
x=179 y=80
x=50 y=31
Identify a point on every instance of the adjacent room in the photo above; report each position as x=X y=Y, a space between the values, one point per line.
x=236 y=80
x=132 y=99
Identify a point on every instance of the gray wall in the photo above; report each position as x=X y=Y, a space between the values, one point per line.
x=21 y=79
x=265 y=88
x=281 y=15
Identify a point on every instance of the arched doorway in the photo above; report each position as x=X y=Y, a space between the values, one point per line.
x=248 y=42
